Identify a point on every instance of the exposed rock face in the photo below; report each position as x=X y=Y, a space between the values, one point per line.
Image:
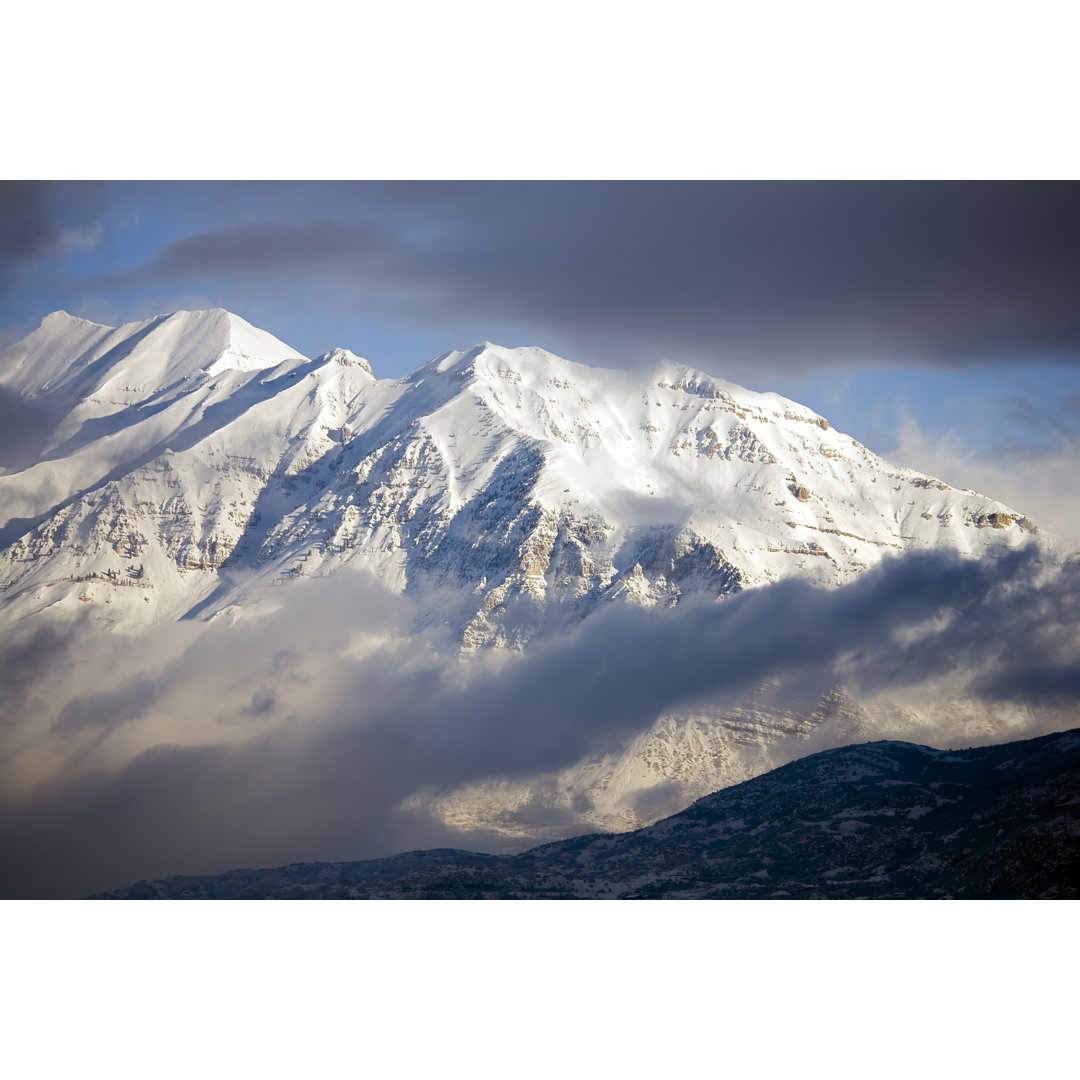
x=1000 y=519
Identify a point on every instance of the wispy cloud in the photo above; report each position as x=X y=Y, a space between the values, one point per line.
x=1040 y=481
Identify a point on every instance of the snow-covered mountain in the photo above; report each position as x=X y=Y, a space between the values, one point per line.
x=194 y=467
x=192 y=443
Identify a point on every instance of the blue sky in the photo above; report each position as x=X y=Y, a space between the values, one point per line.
x=935 y=322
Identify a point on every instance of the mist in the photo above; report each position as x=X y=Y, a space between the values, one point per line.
x=202 y=747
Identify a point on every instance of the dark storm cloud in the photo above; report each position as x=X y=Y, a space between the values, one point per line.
x=27 y=225
x=791 y=273
x=42 y=218
x=302 y=752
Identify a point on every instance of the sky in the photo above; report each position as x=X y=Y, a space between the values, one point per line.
x=937 y=322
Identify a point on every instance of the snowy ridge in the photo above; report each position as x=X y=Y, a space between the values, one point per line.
x=194 y=439
x=77 y=359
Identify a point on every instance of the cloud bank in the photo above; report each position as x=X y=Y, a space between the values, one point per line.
x=204 y=747
x=790 y=275
x=791 y=272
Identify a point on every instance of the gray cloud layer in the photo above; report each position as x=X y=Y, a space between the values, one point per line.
x=792 y=272
x=788 y=274
x=200 y=748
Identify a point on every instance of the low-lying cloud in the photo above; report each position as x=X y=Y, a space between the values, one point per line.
x=199 y=748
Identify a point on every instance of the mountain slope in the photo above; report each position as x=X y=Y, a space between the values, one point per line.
x=881 y=820
x=193 y=443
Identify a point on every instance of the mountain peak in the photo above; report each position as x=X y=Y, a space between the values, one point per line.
x=76 y=358
x=232 y=341
x=63 y=318
x=347 y=358
x=488 y=358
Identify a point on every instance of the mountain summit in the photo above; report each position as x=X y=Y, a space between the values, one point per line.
x=77 y=359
